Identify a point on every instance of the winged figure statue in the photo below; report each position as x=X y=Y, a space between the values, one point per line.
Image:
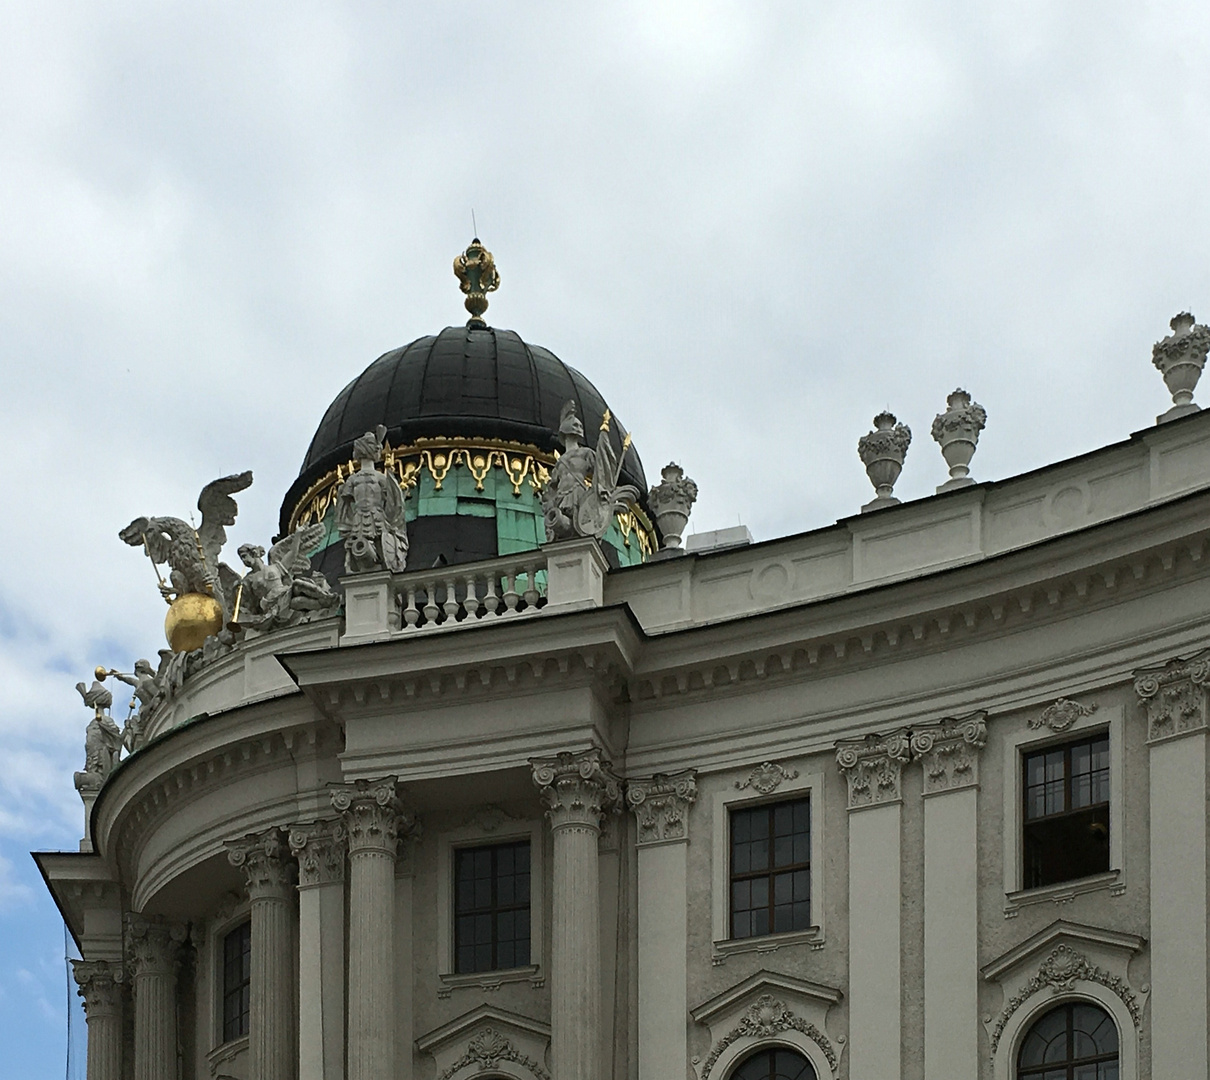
x=284 y=590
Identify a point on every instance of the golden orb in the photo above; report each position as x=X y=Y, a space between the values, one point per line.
x=191 y=619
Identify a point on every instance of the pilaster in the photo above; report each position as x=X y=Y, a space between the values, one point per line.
x=1173 y=699
x=100 y=985
x=577 y=790
x=949 y=753
x=153 y=951
x=661 y=806
x=873 y=768
x=320 y=849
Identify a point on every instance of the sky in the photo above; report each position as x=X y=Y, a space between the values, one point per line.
x=753 y=225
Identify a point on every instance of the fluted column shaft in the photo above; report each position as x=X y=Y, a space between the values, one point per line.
x=268 y=874
x=100 y=987
x=153 y=948
x=577 y=790
x=373 y=818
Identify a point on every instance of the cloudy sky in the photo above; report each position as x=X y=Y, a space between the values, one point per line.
x=753 y=225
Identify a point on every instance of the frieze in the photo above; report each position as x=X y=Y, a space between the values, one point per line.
x=1060 y=715
x=766 y=778
x=486 y=1050
x=661 y=805
x=949 y=752
x=766 y=1017
x=873 y=767
x=1174 y=695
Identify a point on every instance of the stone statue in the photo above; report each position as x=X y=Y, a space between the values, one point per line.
x=369 y=512
x=285 y=590
x=583 y=493
x=102 y=739
x=147 y=692
x=193 y=555
x=670 y=501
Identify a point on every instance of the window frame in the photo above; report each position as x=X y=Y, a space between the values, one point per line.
x=224 y=991
x=1068 y=1007
x=229 y=916
x=1025 y=740
x=471 y=835
x=731 y=797
x=771 y=871
x=495 y=908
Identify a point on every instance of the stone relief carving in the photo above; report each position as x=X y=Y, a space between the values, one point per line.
x=583 y=493
x=882 y=452
x=489 y=818
x=957 y=433
x=285 y=590
x=1060 y=971
x=100 y=985
x=486 y=1050
x=266 y=863
x=152 y=945
x=661 y=805
x=1061 y=715
x=102 y=739
x=670 y=501
x=949 y=752
x=873 y=767
x=1174 y=695
x=320 y=850
x=577 y=789
x=374 y=816
x=369 y=512
x=766 y=778
x=765 y=1018
x=1180 y=358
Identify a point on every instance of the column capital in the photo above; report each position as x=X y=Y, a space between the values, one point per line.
x=1174 y=696
x=661 y=805
x=152 y=945
x=873 y=766
x=373 y=815
x=265 y=860
x=100 y=985
x=577 y=789
x=320 y=848
x=949 y=751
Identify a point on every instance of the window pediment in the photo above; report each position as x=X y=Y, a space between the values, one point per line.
x=487 y=1038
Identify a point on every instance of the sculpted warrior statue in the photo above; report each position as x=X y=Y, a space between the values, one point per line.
x=102 y=739
x=369 y=512
x=583 y=493
x=147 y=692
x=285 y=590
x=193 y=555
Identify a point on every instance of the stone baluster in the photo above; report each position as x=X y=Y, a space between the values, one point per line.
x=577 y=789
x=320 y=850
x=100 y=986
x=374 y=818
x=661 y=809
x=268 y=874
x=153 y=948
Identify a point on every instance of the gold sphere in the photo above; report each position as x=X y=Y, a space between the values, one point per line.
x=191 y=619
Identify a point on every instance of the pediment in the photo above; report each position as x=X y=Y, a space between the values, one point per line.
x=486 y=1037
x=1111 y=944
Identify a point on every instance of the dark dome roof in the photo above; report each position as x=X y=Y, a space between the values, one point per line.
x=466 y=382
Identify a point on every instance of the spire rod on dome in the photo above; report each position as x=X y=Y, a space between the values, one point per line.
x=476 y=272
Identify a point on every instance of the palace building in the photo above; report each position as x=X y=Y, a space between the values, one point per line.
x=480 y=771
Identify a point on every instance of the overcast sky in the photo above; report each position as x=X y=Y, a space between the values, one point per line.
x=751 y=225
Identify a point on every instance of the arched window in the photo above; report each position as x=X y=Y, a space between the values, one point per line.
x=1076 y=1041
x=775 y=1064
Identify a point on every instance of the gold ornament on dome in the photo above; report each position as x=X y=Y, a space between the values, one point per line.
x=192 y=617
x=477 y=275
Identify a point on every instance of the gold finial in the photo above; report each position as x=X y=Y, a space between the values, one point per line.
x=605 y=420
x=476 y=272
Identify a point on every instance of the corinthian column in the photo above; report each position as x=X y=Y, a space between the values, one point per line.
x=949 y=752
x=320 y=849
x=101 y=989
x=268 y=874
x=374 y=818
x=661 y=808
x=153 y=949
x=577 y=789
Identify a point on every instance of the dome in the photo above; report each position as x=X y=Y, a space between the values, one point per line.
x=477 y=391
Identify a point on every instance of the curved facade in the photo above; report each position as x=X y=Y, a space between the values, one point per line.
x=872 y=800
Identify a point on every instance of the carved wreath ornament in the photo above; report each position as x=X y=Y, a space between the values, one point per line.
x=1061 y=715
x=487 y=1049
x=1061 y=970
x=766 y=777
x=764 y=1019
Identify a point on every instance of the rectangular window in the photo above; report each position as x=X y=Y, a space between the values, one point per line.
x=1066 y=830
x=771 y=869
x=237 y=981
x=491 y=907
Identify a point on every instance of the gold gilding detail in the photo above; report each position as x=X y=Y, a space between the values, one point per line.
x=191 y=619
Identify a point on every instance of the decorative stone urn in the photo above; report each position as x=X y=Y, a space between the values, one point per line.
x=670 y=502
x=882 y=452
x=1180 y=358
x=957 y=432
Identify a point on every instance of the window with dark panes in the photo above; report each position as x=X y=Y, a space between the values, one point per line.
x=237 y=981
x=1076 y=1041
x=1066 y=827
x=771 y=868
x=491 y=907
